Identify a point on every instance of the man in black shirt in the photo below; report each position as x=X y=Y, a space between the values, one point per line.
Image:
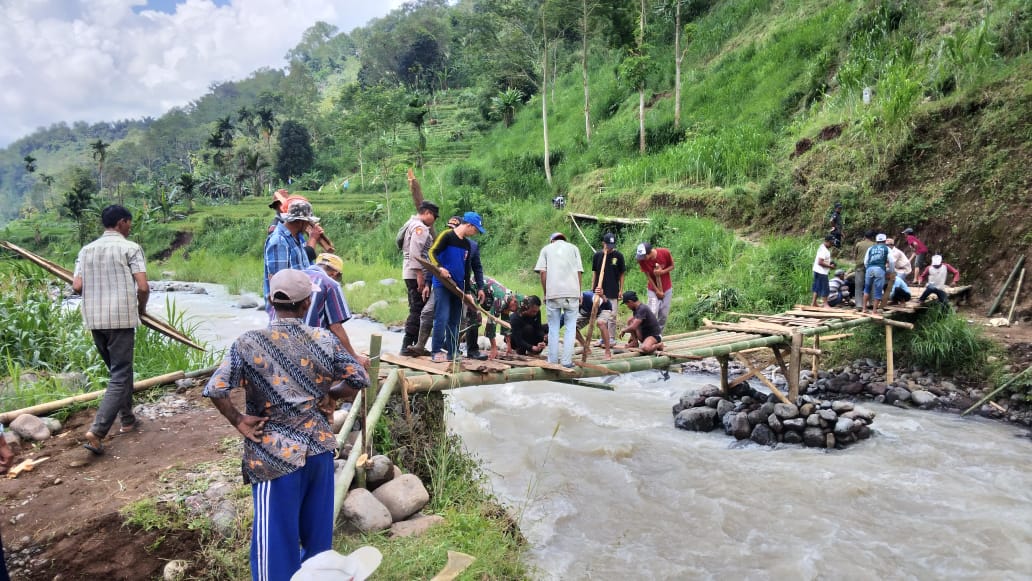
x=642 y=326
x=528 y=333
x=610 y=261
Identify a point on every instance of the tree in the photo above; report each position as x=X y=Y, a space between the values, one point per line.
x=252 y=166
x=221 y=140
x=99 y=155
x=30 y=163
x=77 y=201
x=266 y=124
x=187 y=186
x=586 y=9
x=247 y=122
x=634 y=71
x=504 y=104
x=415 y=114
x=295 y=150
x=687 y=34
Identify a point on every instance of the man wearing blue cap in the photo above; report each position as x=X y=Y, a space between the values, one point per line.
x=560 y=267
x=450 y=253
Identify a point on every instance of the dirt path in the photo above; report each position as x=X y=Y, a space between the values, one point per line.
x=61 y=520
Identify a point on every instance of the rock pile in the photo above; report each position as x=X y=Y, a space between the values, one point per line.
x=762 y=418
x=392 y=501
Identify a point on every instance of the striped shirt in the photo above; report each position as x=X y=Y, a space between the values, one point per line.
x=283 y=250
x=107 y=266
x=328 y=304
x=285 y=370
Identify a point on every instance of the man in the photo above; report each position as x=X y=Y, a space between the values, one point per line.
x=559 y=265
x=6 y=461
x=284 y=248
x=603 y=317
x=643 y=326
x=657 y=263
x=501 y=303
x=288 y=372
x=528 y=334
x=838 y=290
x=473 y=319
x=610 y=261
x=279 y=197
x=450 y=254
x=876 y=263
x=900 y=293
x=111 y=275
x=856 y=279
x=836 y=225
x=898 y=260
x=936 y=275
x=312 y=234
x=416 y=239
x=329 y=309
x=822 y=265
x=919 y=252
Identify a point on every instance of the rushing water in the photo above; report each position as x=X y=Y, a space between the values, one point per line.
x=605 y=488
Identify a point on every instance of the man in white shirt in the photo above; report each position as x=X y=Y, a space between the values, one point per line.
x=559 y=264
x=822 y=264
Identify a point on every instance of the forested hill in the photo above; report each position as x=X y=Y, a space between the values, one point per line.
x=753 y=111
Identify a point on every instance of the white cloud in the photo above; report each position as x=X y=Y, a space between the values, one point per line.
x=99 y=60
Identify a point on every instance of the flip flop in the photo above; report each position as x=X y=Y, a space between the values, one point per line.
x=130 y=428
x=97 y=449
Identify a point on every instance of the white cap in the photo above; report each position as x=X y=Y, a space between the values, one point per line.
x=879 y=238
x=937 y=260
x=332 y=566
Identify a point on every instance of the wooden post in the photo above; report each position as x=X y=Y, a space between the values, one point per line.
x=890 y=372
x=375 y=342
x=723 y=375
x=1017 y=291
x=795 y=365
x=405 y=397
x=816 y=355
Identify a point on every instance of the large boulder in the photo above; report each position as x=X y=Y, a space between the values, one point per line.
x=701 y=419
x=842 y=407
x=29 y=427
x=362 y=512
x=844 y=426
x=795 y=424
x=739 y=425
x=786 y=411
x=813 y=437
x=895 y=394
x=924 y=399
x=763 y=435
x=403 y=497
x=381 y=471
x=828 y=415
x=724 y=407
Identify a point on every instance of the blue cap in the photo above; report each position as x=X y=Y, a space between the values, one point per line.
x=474 y=219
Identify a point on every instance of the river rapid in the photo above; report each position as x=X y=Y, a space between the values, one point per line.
x=604 y=487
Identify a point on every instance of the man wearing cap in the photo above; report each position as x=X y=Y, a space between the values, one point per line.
x=643 y=326
x=610 y=261
x=836 y=225
x=329 y=309
x=838 y=290
x=822 y=264
x=559 y=265
x=876 y=262
x=312 y=234
x=528 y=334
x=284 y=248
x=898 y=260
x=417 y=236
x=936 y=275
x=657 y=263
x=450 y=254
x=474 y=286
x=604 y=315
x=288 y=372
x=919 y=252
x=501 y=303
x=111 y=275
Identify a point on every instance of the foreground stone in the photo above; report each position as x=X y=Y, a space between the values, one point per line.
x=403 y=497
x=415 y=526
x=363 y=513
x=29 y=427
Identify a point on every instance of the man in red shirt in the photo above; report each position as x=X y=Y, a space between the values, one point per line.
x=918 y=252
x=657 y=263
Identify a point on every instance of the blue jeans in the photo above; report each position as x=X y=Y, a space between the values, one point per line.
x=447 y=314
x=874 y=282
x=292 y=510
x=567 y=310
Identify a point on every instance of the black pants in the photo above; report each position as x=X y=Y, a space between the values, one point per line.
x=938 y=292
x=899 y=296
x=415 y=307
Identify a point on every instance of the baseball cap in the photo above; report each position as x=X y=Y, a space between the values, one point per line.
x=299 y=210
x=608 y=239
x=474 y=219
x=840 y=271
x=331 y=260
x=289 y=286
x=829 y=238
x=431 y=207
x=908 y=230
x=556 y=236
x=642 y=251
x=879 y=238
x=279 y=197
x=629 y=296
x=332 y=566
x=937 y=260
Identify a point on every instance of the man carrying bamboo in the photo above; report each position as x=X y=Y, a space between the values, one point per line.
x=657 y=263
x=608 y=271
x=111 y=275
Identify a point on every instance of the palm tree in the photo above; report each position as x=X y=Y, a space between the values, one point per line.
x=187 y=184
x=505 y=103
x=267 y=123
x=252 y=166
x=99 y=155
x=30 y=163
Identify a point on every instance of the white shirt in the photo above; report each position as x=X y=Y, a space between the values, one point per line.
x=561 y=262
x=823 y=252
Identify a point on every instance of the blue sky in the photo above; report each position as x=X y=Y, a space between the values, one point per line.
x=103 y=60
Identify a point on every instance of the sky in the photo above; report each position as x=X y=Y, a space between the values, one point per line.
x=104 y=60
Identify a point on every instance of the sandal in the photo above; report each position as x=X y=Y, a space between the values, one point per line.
x=93 y=444
x=129 y=428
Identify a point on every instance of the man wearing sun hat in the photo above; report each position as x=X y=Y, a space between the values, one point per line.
x=876 y=263
x=657 y=263
x=329 y=308
x=450 y=254
x=284 y=247
x=288 y=371
x=559 y=265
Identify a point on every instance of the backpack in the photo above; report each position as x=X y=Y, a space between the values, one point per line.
x=402 y=233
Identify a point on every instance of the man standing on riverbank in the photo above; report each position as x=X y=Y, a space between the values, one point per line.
x=329 y=309
x=657 y=263
x=609 y=261
x=450 y=254
x=919 y=252
x=111 y=276
x=284 y=248
x=416 y=239
x=559 y=265
x=822 y=265
x=287 y=371
x=877 y=264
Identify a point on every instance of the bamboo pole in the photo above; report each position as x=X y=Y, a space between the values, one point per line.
x=996 y=391
x=890 y=371
x=375 y=340
x=577 y=226
x=1017 y=291
x=724 y=389
x=759 y=375
x=1006 y=285
x=594 y=307
x=342 y=483
x=816 y=352
x=794 y=366
x=52 y=406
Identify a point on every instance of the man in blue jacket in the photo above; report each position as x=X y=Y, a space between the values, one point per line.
x=450 y=253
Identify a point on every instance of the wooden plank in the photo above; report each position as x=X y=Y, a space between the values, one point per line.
x=609 y=220
x=525 y=361
x=758 y=328
x=419 y=363
x=759 y=375
x=485 y=366
x=594 y=367
x=827 y=338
